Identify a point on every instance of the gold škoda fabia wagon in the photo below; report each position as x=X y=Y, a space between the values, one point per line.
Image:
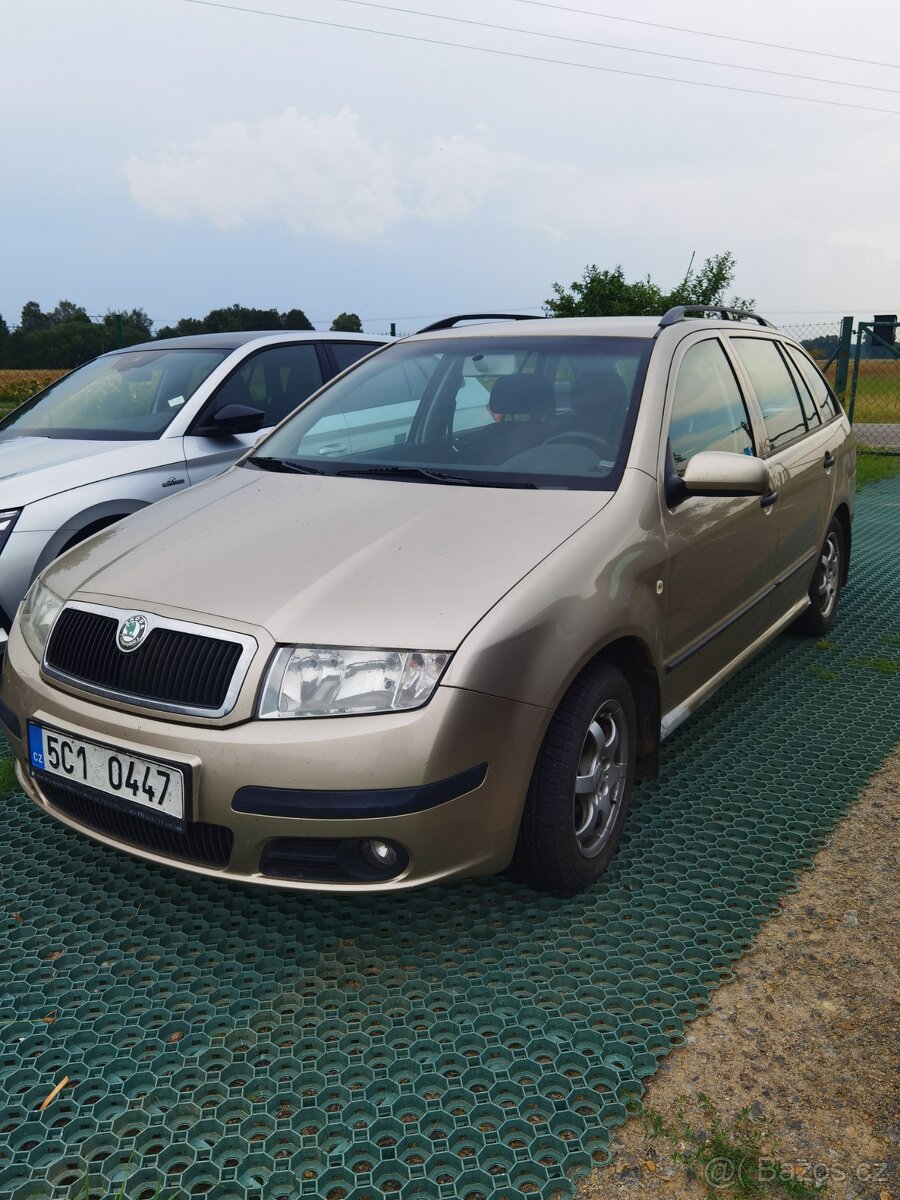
x=440 y=619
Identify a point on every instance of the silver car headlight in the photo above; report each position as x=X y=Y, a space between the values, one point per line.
x=325 y=681
x=40 y=608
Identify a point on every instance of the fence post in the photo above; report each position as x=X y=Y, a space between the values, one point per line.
x=861 y=328
x=843 y=358
x=393 y=329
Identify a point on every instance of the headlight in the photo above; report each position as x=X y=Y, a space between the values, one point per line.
x=7 y=520
x=322 y=681
x=40 y=609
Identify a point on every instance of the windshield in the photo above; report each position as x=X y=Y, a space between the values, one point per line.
x=135 y=394
x=539 y=411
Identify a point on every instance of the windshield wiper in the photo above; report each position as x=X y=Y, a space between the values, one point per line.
x=282 y=464
x=428 y=475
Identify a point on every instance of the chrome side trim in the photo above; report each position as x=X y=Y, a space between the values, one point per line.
x=248 y=644
x=677 y=716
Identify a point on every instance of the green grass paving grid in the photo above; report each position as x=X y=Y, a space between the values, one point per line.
x=464 y=1042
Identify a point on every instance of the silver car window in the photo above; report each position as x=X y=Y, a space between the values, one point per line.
x=275 y=380
x=132 y=395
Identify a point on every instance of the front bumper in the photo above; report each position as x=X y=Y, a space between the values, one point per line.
x=351 y=759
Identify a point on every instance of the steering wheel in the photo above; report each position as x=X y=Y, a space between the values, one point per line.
x=579 y=438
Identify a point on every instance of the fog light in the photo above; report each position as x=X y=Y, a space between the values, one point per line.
x=378 y=853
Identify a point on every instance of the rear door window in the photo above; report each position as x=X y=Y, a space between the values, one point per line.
x=809 y=372
x=345 y=354
x=778 y=398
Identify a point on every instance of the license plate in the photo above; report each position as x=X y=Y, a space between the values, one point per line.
x=147 y=784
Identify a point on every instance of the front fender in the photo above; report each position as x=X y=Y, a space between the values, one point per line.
x=599 y=586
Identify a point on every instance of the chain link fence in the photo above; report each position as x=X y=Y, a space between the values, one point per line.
x=861 y=361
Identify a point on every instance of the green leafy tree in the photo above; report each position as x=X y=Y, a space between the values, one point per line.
x=296 y=318
x=32 y=319
x=605 y=294
x=4 y=328
x=608 y=293
x=66 y=311
x=183 y=328
x=237 y=317
x=136 y=324
x=67 y=336
x=347 y=322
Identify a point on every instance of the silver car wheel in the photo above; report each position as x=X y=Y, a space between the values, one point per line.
x=601 y=777
x=829 y=574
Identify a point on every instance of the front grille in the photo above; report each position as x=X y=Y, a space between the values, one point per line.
x=172 y=666
x=208 y=845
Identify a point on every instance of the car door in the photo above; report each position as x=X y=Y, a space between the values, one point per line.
x=275 y=379
x=800 y=456
x=721 y=548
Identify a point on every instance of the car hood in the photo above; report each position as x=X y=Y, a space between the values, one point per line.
x=32 y=468
x=325 y=560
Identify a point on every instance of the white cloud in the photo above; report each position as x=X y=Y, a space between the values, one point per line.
x=314 y=174
x=455 y=177
x=322 y=175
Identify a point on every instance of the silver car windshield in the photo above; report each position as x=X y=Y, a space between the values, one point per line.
x=542 y=411
x=132 y=395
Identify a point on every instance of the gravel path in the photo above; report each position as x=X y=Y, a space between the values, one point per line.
x=807 y=1035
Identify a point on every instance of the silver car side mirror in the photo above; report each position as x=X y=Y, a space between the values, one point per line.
x=716 y=472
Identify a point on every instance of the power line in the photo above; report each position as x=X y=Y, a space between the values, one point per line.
x=724 y=37
x=560 y=37
x=559 y=62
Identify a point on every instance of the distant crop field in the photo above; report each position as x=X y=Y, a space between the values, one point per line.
x=877 y=390
x=16 y=386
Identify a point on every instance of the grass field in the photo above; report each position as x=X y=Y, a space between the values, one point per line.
x=877 y=391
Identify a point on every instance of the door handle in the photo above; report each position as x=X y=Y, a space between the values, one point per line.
x=828 y=461
x=768 y=500
x=333 y=448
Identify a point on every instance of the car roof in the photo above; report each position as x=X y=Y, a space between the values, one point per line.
x=238 y=338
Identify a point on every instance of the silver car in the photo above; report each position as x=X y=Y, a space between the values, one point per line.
x=136 y=425
x=440 y=620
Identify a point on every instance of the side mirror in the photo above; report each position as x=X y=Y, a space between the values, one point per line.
x=717 y=473
x=233 y=418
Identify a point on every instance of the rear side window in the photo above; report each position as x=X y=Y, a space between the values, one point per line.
x=782 y=412
x=809 y=372
x=809 y=406
x=347 y=353
x=708 y=411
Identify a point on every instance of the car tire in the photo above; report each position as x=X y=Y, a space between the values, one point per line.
x=580 y=790
x=825 y=589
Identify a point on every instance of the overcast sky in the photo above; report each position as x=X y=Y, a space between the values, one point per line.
x=176 y=156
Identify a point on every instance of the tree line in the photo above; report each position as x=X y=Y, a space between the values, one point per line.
x=67 y=336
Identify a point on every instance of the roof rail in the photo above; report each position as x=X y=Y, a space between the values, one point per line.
x=449 y=322
x=684 y=312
